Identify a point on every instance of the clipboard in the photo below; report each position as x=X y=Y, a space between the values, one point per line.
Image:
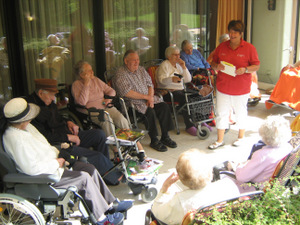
x=229 y=68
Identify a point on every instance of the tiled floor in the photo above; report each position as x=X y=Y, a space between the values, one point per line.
x=256 y=114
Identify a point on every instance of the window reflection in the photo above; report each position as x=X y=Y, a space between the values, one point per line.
x=5 y=83
x=56 y=34
x=188 y=22
x=130 y=25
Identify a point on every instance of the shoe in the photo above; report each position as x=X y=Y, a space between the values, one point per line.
x=159 y=146
x=192 y=131
x=206 y=125
x=116 y=218
x=169 y=142
x=141 y=156
x=216 y=145
x=122 y=206
x=238 y=142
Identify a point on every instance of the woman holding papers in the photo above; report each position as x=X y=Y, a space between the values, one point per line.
x=235 y=60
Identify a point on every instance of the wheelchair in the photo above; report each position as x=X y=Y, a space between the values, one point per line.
x=28 y=199
x=127 y=151
x=206 y=210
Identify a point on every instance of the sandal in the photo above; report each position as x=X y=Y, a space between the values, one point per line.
x=216 y=145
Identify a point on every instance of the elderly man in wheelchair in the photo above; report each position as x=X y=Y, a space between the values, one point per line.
x=41 y=176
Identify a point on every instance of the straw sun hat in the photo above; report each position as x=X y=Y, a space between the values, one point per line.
x=17 y=110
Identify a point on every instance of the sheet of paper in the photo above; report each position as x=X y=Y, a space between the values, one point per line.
x=229 y=68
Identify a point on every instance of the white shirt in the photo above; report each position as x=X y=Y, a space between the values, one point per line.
x=165 y=72
x=171 y=207
x=31 y=151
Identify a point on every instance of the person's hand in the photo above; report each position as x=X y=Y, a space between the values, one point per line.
x=73 y=128
x=86 y=78
x=106 y=102
x=61 y=162
x=181 y=63
x=169 y=181
x=240 y=71
x=176 y=79
x=74 y=138
x=220 y=67
x=231 y=166
x=150 y=101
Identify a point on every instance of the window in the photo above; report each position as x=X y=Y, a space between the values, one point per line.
x=188 y=21
x=5 y=82
x=56 y=34
x=130 y=24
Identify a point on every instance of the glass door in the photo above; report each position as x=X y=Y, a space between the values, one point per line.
x=188 y=21
x=56 y=34
x=5 y=82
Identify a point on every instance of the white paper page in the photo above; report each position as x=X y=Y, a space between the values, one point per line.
x=229 y=68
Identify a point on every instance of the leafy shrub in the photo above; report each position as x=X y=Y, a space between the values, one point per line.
x=277 y=206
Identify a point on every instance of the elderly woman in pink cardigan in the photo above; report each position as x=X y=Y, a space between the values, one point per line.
x=275 y=133
x=89 y=91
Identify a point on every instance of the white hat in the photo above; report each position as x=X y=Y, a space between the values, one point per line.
x=17 y=110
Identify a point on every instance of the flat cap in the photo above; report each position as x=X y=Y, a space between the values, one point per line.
x=46 y=84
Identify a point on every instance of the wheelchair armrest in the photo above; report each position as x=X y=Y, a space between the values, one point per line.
x=80 y=106
x=93 y=109
x=89 y=110
x=27 y=179
x=228 y=173
x=202 y=71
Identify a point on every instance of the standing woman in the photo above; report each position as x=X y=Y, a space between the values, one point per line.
x=233 y=91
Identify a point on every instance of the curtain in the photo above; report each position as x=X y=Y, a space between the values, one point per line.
x=56 y=34
x=228 y=10
x=5 y=82
x=130 y=24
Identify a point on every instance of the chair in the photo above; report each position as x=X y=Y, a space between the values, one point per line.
x=199 y=108
x=206 y=210
x=109 y=74
x=33 y=200
x=151 y=67
x=67 y=108
x=286 y=168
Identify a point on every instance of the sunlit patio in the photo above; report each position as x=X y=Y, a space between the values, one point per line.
x=256 y=114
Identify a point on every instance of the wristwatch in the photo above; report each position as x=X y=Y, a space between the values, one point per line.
x=246 y=71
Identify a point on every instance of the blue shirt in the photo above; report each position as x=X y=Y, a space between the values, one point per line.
x=194 y=61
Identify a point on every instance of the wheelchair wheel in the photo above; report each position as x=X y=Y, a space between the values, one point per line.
x=17 y=210
x=71 y=116
x=203 y=132
x=149 y=193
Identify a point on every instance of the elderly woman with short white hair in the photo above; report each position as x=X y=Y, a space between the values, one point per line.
x=195 y=173
x=168 y=77
x=275 y=133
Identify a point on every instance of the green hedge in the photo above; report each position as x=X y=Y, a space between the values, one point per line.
x=277 y=206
